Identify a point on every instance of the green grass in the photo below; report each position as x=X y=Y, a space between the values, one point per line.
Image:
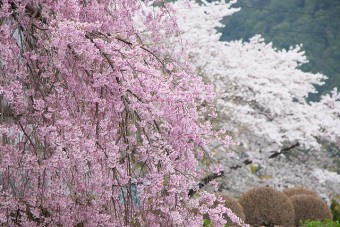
x=324 y=223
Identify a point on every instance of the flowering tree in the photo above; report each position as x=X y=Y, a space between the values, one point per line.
x=261 y=98
x=100 y=125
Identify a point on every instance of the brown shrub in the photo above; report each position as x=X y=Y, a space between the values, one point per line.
x=268 y=207
x=234 y=206
x=298 y=191
x=310 y=207
x=230 y=203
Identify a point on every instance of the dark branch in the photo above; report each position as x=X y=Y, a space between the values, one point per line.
x=205 y=181
x=247 y=162
x=273 y=155
x=235 y=167
x=284 y=150
x=29 y=9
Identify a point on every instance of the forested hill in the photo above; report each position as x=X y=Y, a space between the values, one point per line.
x=314 y=23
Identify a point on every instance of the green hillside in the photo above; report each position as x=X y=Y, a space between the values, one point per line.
x=314 y=23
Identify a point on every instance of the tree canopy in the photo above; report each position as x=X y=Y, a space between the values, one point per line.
x=262 y=103
x=313 y=23
x=101 y=125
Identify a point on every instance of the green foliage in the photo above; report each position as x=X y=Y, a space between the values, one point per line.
x=253 y=168
x=324 y=223
x=208 y=223
x=335 y=208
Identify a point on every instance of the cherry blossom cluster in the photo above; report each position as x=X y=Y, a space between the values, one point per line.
x=101 y=123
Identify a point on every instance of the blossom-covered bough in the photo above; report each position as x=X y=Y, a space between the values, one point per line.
x=101 y=124
x=262 y=103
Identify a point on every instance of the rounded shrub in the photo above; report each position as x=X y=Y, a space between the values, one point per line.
x=299 y=191
x=232 y=204
x=309 y=207
x=267 y=206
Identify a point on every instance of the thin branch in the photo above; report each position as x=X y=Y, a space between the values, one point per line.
x=153 y=54
x=27 y=136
